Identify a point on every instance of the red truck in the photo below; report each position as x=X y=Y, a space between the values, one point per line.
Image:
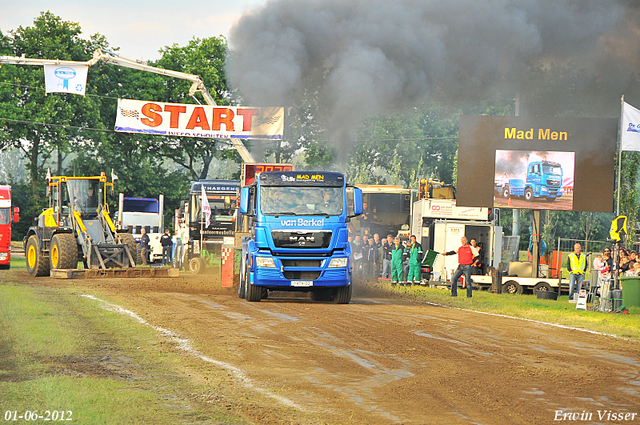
x=7 y=216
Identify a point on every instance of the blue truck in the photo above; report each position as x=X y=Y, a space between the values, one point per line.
x=298 y=241
x=544 y=180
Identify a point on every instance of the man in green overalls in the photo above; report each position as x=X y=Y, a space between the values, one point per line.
x=414 y=252
x=397 y=252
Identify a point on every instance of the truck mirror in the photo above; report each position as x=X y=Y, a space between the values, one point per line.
x=244 y=200
x=16 y=214
x=357 y=201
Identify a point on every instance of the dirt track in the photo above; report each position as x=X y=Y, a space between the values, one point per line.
x=384 y=358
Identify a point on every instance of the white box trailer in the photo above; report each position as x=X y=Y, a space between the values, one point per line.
x=447 y=235
x=439 y=225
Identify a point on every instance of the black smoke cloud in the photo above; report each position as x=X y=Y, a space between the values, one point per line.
x=369 y=57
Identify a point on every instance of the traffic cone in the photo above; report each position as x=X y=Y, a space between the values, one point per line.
x=509 y=204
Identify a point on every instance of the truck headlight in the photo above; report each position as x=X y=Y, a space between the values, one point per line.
x=3 y=255
x=339 y=262
x=265 y=262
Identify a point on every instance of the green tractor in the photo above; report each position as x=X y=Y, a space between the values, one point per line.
x=77 y=227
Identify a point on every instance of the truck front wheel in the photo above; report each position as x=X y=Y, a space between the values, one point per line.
x=342 y=295
x=254 y=293
x=528 y=194
x=505 y=192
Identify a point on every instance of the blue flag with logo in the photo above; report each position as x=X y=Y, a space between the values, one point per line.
x=630 y=137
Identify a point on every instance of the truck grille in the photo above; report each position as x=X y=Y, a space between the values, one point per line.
x=301 y=239
x=301 y=263
x=295 y=275
x=553 y=182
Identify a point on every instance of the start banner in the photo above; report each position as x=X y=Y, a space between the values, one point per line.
x=185 y=120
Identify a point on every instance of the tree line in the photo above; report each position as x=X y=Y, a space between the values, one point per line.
x=74 y=135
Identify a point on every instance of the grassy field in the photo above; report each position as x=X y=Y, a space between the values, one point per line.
x=60 y=354
x=63 y=357
x=559 y=312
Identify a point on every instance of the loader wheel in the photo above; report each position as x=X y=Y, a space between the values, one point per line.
x=127 y=239
x=63 y=253
x=37 y=263
x=138 y=255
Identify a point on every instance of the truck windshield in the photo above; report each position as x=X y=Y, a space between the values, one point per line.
x=554 y=171
x=301 y=200
x=83 y=195
x=4 y=216
x=222 y=207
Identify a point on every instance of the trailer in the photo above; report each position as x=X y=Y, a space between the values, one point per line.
x=439 y=224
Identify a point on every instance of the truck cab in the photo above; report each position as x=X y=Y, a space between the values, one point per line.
x=544 y=179
x=298 y=235
x=8 y=215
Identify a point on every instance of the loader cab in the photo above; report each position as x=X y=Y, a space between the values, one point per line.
x=84 y=195
x=68 y=194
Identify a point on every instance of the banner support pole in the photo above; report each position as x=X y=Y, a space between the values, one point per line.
x=620 y=154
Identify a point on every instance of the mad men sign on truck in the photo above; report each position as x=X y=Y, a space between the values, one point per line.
x=214 y=122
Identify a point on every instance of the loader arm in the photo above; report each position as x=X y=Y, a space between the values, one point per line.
x=114 y=58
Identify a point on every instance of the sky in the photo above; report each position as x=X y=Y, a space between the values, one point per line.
x=139 y=28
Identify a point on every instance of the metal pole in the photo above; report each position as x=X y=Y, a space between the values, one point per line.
x=535 y=238
x=620 y=154
x=559 y=268
x=515 y=231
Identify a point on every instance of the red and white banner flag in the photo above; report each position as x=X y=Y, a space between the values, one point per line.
x=66 y=78
x=206 y=209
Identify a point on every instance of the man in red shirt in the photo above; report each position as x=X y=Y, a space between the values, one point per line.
x=465 y=259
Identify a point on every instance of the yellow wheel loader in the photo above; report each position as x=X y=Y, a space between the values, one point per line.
x=77 y=227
